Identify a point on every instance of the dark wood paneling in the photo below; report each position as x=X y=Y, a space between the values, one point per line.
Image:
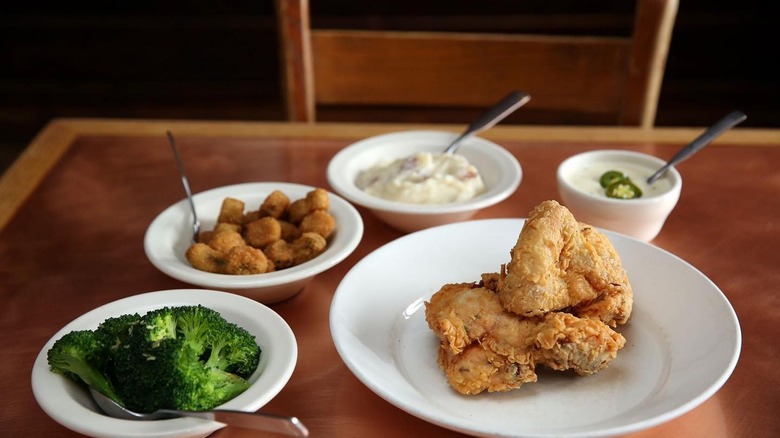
x=218 y=60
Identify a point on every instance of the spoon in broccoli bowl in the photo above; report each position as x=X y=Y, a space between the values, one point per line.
x=247 y=420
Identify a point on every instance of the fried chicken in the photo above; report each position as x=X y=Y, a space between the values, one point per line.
x=485 y=347
x=559 y=264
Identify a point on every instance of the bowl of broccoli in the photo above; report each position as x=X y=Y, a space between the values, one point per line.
x=182 y=349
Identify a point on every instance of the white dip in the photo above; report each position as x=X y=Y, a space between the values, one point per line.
x=586 y=177
x=423 y=178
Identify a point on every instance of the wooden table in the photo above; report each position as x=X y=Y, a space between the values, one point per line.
x=75 y=206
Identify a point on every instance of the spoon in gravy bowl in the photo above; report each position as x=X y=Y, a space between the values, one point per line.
x=489 y=118
x=729 y=121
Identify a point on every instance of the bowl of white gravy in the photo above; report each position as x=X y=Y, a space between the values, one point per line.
x=609 y=189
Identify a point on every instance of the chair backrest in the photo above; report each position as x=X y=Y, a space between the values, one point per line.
x=572 y=79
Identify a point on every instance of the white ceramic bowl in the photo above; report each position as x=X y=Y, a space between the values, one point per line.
x=70 y=404
x=169 y=235
x=500 y=171
x=641 y=218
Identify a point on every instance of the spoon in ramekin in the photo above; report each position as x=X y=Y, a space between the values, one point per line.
x=729 y=121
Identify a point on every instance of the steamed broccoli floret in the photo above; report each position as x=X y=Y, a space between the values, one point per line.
x=116 y=331
x=82 y=356
x=185 y=357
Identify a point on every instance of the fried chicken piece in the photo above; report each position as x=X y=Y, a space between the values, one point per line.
x=462 y=313
x=567 y=342
x=489 y=281
x=485 y=347
x=559 y=263
x=477 y=369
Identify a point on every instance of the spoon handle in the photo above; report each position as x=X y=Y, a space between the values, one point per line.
x=267 y=422
x=729 y=121
x=186 y=185
x=495 y=114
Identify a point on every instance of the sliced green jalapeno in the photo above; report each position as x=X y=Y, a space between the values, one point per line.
x=610 y=177
x=623 y=189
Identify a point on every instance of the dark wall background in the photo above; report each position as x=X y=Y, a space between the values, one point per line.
x=218 y=60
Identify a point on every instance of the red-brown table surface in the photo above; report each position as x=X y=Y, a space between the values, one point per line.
x=75 y=206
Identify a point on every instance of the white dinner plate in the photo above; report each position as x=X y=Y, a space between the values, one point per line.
x=71 y=405
x=683 y=339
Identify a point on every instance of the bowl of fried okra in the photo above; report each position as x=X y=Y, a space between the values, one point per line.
x=266 y=241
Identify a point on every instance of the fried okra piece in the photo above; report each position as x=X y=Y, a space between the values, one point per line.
x=251 y=216
x=224 y=241
x=262 y=232
x=316 y=199
x=307 y=247
x=285 y=254
x=225 y=227
x=280 y=253
x=205 y=258
x=320 y=222
x=232 y=211
x=275 y=205
x=289 y=231
x=245 y=260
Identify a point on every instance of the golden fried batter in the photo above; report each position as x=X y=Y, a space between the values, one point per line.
x=316 y=199
x=478 y=369
x=275 y=205
x=284 y=254
x=290 y=232
x=223 y=227
x=205 y=258
x=245 y=260
x=485 y=347
x=265 y=239
x=231 y=211
x=320 y=222
x=262 y=232
x=308 y=246
x=559 y=263
x=280 y=253
x=225 y=240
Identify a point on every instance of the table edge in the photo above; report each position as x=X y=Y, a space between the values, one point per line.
x=19 y=181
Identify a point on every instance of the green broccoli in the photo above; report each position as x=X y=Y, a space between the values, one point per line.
x=82 y=355
x=115 y=331
x=186 y=357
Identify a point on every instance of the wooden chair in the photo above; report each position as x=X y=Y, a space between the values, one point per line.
x=572 y=79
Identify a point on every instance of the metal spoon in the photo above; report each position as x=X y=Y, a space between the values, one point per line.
x=729 y=121
x=248 y=420
x=495 y=114
x=186 y=184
